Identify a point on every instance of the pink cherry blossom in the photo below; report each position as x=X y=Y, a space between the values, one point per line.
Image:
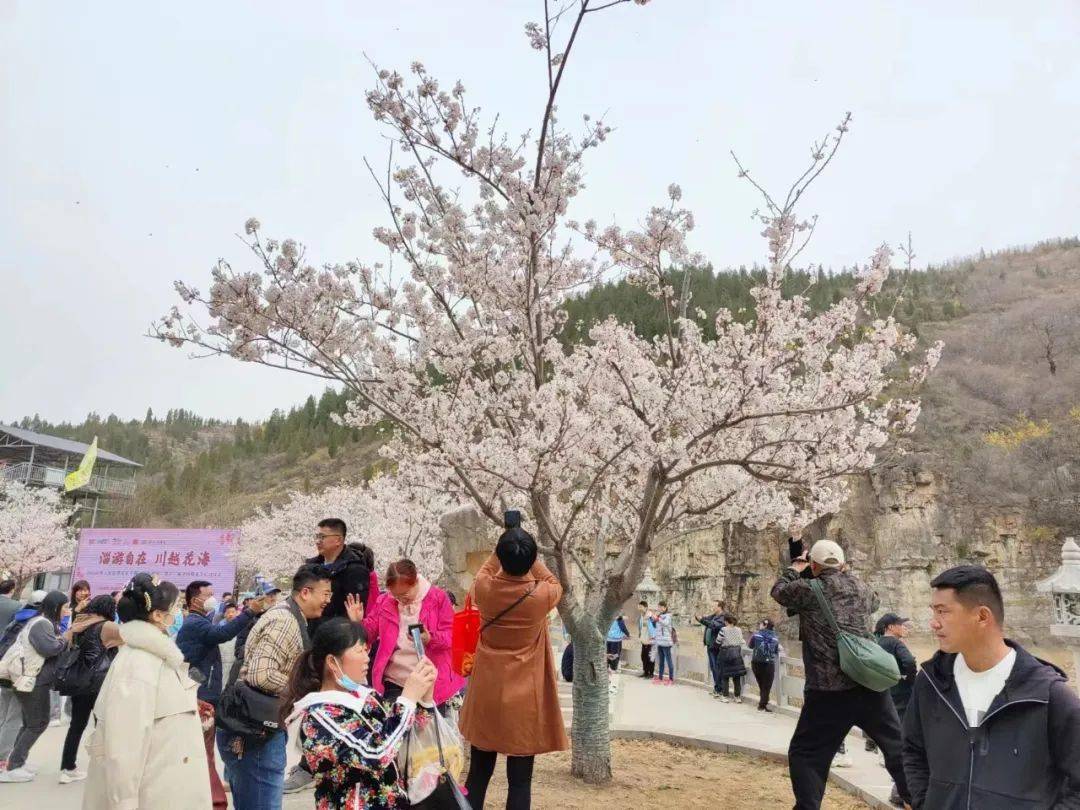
x=34 y=532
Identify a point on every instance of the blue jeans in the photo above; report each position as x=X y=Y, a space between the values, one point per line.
x=714 y=666
x=664 y=654
x=257 y=778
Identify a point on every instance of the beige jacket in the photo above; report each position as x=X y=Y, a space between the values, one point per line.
x=147 y=751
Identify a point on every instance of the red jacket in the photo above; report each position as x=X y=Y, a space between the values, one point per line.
x=437 y=616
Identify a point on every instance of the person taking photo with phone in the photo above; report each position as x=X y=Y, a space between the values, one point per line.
x=512 y=705
x=350 y=737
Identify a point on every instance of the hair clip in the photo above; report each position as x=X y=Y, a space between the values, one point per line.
x=146 y=596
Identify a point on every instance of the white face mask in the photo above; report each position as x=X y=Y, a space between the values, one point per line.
x=210 y=605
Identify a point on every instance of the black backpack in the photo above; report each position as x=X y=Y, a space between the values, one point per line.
x=81 y=668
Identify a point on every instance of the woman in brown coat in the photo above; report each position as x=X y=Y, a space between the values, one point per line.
x=512 y=703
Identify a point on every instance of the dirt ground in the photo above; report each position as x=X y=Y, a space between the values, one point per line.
x=659 y=775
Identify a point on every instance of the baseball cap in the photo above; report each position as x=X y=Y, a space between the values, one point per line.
x=827 y=553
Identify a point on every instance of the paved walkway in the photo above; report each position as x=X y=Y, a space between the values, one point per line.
x=689 y=711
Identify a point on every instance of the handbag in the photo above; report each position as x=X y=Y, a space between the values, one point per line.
x=76 y=674
x=861 y=659
x=464 y=637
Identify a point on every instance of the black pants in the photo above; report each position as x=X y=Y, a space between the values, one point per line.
x=764 y=673
x=648 y=667
x=825 y=720
x=81 y=707
x=736 y=684
x=519 y=771
x=614 y=653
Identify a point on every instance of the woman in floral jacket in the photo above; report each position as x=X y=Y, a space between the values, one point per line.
x=349 y=737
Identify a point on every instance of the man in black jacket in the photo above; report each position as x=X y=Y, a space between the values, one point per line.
x=349 y=571
x=891 y=630
x=989 y=725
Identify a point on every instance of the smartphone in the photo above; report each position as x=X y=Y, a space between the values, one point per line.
x=414 y=631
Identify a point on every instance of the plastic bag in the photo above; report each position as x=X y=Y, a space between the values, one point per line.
x=419 y=763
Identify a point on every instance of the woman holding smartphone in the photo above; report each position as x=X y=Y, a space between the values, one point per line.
x=410 y=599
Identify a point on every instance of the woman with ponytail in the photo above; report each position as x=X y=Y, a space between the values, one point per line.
x=349 y=736
x=147 y=749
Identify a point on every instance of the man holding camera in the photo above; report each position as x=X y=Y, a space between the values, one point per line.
x=832 y=702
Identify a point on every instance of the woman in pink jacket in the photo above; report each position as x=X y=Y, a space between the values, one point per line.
x=411 y=599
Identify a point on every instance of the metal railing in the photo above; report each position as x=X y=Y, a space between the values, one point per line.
x=45 y=476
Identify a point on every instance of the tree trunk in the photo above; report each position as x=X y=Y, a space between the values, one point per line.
x=590 y=734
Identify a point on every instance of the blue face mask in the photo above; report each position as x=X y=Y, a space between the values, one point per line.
x=347 y=683
x=178 y=622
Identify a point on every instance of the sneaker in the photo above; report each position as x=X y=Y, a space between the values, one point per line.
x=894 y=798
x=298 y=779
x=29 y=766
x=56 y=722
x=766 y=709
x=842 y=760
x=17 y=775
x=656 y=680
x=74 y=775
x=669 y=682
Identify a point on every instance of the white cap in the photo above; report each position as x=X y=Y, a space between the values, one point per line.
x=827 y=553
x=37 y=597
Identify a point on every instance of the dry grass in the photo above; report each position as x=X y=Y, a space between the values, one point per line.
x=659 y=775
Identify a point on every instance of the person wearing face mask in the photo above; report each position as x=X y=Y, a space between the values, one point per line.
x=199 y=637
x=349 y=736
x=410 y=599
x=147 y=748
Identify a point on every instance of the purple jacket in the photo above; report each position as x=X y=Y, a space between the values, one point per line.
x=437 y=616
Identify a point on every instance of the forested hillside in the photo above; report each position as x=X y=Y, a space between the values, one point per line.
x=1001 y=415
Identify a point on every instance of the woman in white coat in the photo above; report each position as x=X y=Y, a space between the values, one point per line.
x=147 y=750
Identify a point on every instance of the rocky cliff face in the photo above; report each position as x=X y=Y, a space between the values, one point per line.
x=900 y=527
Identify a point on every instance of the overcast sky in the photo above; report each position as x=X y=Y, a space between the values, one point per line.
x=136 y=138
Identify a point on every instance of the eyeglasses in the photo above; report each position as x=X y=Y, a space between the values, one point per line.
x=320 y=535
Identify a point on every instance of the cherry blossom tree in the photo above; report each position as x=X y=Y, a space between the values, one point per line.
x=34 y=532
x=610 y=445
x=392 y=518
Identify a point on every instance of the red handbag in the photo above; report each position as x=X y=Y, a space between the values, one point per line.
x=465 y=635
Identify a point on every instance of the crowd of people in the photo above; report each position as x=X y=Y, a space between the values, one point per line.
x=175 y=679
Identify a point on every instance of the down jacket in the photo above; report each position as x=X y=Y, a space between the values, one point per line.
x=147 y=750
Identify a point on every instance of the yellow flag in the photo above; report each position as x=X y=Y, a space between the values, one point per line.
x=81 y=476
